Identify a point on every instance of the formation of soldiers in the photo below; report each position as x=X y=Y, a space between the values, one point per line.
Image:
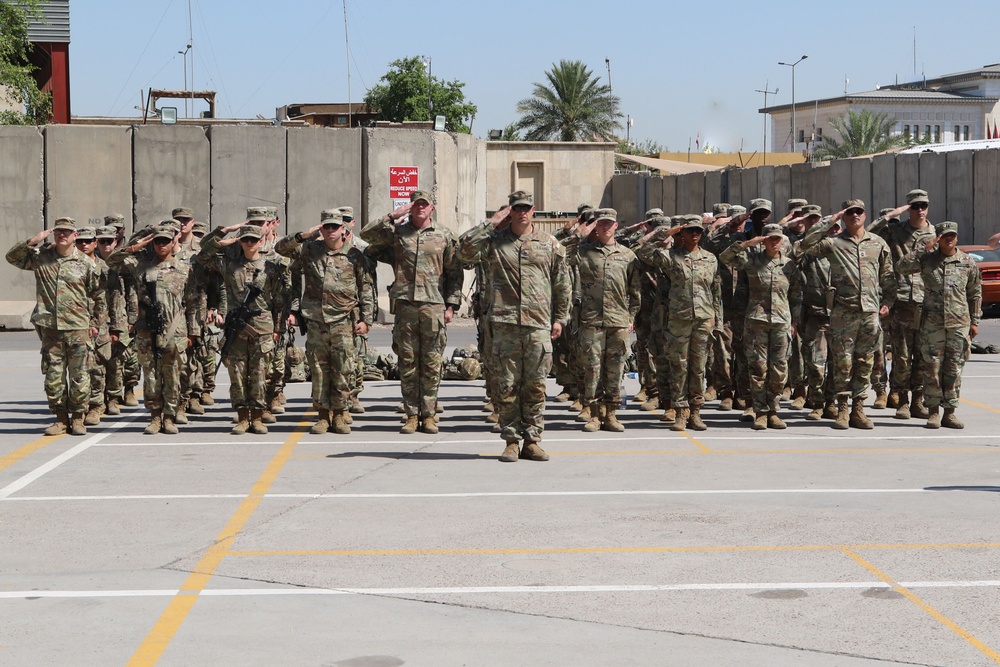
x=729 y=305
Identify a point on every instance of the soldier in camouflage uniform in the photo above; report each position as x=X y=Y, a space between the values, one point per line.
x=695 y=302
x=360 y=340
x=157 y=272
x=69 y=308
x=338 y=303
x=563 y=366
x=186 y=249
x=100 y=345
x=204 y=356
x=772 y=311
x=793 y=225
x=275 y=394
x=904 y=321
x=863 y=288
x=608 y=290
x=526 y=270
x=126 y=371
x=249 y=358
x=118 y=328
x=718 y=371
x=656 y=288
x=427 y=292
x=953 y=296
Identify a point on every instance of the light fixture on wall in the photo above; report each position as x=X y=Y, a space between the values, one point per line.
x=439 y=122
x=495 y=135
x=168 y=115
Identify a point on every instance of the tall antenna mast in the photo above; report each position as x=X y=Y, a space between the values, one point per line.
x=766 y=93
x=914 y=50
x=347 y=46
x=607 y=61
x=191 y=48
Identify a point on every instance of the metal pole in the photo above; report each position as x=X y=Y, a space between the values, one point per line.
x=792 y=65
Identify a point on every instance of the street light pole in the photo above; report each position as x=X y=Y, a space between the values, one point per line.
x=766 y=93
x=792 y=65
x=426 y=60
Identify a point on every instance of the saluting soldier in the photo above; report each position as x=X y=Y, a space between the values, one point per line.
x=100 y=345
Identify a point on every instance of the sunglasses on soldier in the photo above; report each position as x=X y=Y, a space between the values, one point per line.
x=521 y=208
x=918 y=206
x=854 y=211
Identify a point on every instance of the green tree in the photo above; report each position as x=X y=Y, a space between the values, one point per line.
x=17 y=85
x=574 y=106
x=861 y=133
x=511 y=133
x=404 y=96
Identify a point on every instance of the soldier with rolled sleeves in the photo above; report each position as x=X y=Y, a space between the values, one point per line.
x=862 y=289
x=338 y=303
x=161 y=279
x=608 y=284
x=427 y=292
x=953 y=296
x=695 y=300
x=904 y=322
x=526 y=269
x=772 y=311
x=70 y=306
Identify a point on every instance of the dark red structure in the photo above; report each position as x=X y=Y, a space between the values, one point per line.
x=52 y=61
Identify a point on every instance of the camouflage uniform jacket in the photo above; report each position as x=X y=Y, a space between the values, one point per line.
x=860 y=271
x=104 y=328
x=239 y=272
x=425 y=261
x=722 y=238
x=775 y=296
x=338 y=283
x=527 y=274
x=815 y=280
x=170 y=277
x=116 y=302
x=953 y=288
x=903 y=238
x=70 y=295
x=609 y=284
x=695 y=285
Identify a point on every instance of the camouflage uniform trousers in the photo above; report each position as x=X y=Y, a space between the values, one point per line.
x=643 y=356
x=796 y=364
x=879 y=377
x=739 y=368
x=360 y=343
x=485 y=340
x=606 y=349
x=904 y=328
x=943 y=354
x=248 y=363
x=686 y=350
x=523 y=358
x=333 y=362
x=720 y=376
x=562 y=363
x=202 y=362
x=100 y=368
x=420 y=335
x=658 y=351
x=815 y=335
x=125 y=370
x=853 y=336
x=64 y=362
x=161 y=387
x=767 y=362
x=276 y=371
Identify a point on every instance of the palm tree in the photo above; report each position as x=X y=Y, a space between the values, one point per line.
x=574 y=106
x=861 y=133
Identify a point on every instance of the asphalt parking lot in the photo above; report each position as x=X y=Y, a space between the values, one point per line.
x=807 y=546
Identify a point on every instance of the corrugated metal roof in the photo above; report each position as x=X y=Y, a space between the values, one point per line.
x=55 y=25
x=982 y=144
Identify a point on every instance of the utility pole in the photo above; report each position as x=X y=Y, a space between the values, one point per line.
x=766 y=93
x=792 y=65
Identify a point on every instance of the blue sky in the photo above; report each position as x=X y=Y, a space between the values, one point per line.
x=682 y=69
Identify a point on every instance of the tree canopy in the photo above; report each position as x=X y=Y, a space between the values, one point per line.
x=573 y=106
x=861 y=133
x=17 y=85
x=403 y=95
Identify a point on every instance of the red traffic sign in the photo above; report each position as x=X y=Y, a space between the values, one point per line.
x=402 y=181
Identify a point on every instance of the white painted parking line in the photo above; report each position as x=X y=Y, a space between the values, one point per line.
x=495 y=590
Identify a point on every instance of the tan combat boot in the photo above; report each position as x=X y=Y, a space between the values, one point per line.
x=94 y=415
x=281 y=397
x=611 y=422
x=799 y=398
x=130 y=400
x=586 y=412
x=710 y=393
x=76 y=425
x=155 y=422
x=651 y=404
x=429 y=425
x=694 y=420
x=917 y=408
x=206 y=398
x=669 y=415
x=194 y=406
x=113 y=408
x=881 y=400
x=266 y=417
x=892 y=402
x=680 y=419
x=257 y=421
x=181 y=416
x=340 y=425
x=356 y=407
x=533 y=452
x=858 y=417
x=59 y=426
x=830 y=410
x=950 y=420
x=760 y=421
x=348 y=419
x=410 y=426
x=242 y=421
x=169 y=427
x=842 y=421
x=748 y=415
x=322 y=424
x=511 y=452
x=726 y=404
x=903 y=407
x=933 y=419
x=488 y=406
x=576 y=405
x=816 y=413
x=276 y=407
x=493 y=417
x=774 y=421
x=594 y=423
x=641 y=396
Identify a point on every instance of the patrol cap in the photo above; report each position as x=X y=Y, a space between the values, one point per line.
x=256 y=214
x=249 y=232
x=588 y=215
x=693 y=221
x=331 y=216
x=853 y=203
x=677 y=220
x=760 y=205
x=584 y=207
x=653 y=212
x=86 y=234
x=915 y=196
x=946 y=227
x=272 y=213
x=182 y=212
x=659 y=221
x=810 y=210
x=520 y=197
x=885 y=211
x=347 y=213
x=605 y=214
x=116 y=220
x=107 y=232
x=164 y=230
x=796 y=203
x=736 y=209
x=720 y=210
x=421 y=195
x=65 y=223
x=773 y=230
x=199 y=228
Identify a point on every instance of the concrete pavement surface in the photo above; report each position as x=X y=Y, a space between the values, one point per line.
x=806 y=546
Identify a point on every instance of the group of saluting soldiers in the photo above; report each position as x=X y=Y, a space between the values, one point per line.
x=727 y=305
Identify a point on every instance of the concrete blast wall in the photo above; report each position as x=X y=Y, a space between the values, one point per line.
x=88 y=172
x=22 y=212
x=172 y=166
x=248 y=169
x=324 y=171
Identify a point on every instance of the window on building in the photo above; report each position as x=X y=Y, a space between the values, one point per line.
x=937 y=134
x=965 y=133
x=906 y=130
x=802 y=136
x=927 y=130
x=819 y=133
x=957 y=136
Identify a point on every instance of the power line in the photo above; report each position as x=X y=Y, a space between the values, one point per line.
x=136 y=66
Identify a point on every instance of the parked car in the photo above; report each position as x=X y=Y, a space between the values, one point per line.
x=988 y=261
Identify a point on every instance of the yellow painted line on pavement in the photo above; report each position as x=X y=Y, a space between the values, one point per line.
x=980 y=405
x=7 y=460
x=926 y=608
x=166 y=627
x=604 y=550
